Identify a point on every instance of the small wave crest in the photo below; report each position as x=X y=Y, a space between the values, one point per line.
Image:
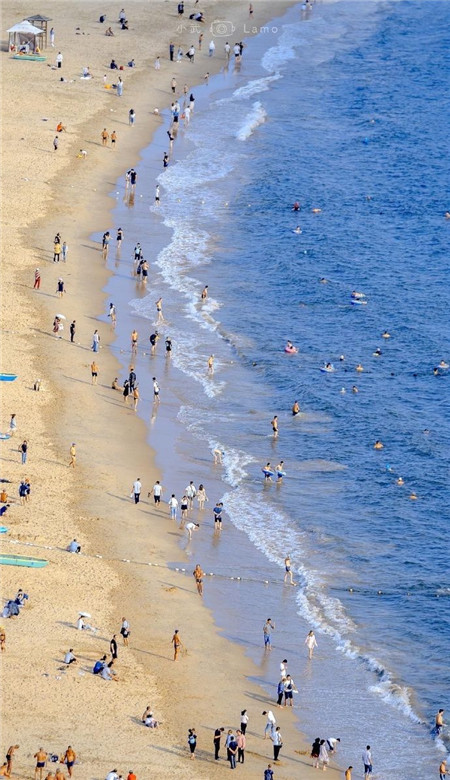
x=255 y=118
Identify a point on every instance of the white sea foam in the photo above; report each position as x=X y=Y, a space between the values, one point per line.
x=255 y=118
x=255 y=86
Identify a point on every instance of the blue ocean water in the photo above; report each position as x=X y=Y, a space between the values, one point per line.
x=344 y=109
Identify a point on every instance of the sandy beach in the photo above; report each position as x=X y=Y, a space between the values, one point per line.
x=48 y=191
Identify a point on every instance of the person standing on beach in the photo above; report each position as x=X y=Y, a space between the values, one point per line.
x=216 y=741
x=367 y=761
x=157 y=491
x=73 y=455
x=184 y=506
x=112 y=315
x=274 y=424
x=268 y=773
x=125 y=631
x=69 y=759
x=201 y=497
x=95 y=341
x=240 y=739
x=217 y=513
x=94 y=372
x=136 y=490
x=198 y=574
x=173 y=506
x=9 y=758
x=192 y=742
x=134 y=340
x=165 y=160
x=131 y=117
x=157 y=64
x=288 y=570
x=277 y=740
x=244 y=721
x=135 y=398
x=311 y=643
x=323 y=755
x=191 y=492
x=56 y=249
x=37 y=279
x=171 y=51
x=105 y=244
x=113 y=647
x=268 y=627
x=64 y=251
x=177 y=644
x=173 y=84
x=442 y=770
x=41 y=760
x=72 y=330
x=104 y=137
x=52 y=37
x=155 y=390
x=59 y=59
x=55 y=143
x=157 y=201
x=24 y=451
x=113 y=139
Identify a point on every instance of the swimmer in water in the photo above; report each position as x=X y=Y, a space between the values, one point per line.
x=316 y=211
x=359 y=368
x=355 y=389
x=296 y=206
x=443 y=364
x=378 y=445
x=413 y=496
x=439 y=722
x=386 y=335
x=341 y=358
x=204 y=293
x=289 y=346
x=274 y=424
x=447 y=215
x=297 y=230
x=295 y=408
x=329 y=366
x=436 y=371
x=357 y=295
x=322 y=280
x=288 y=571
x=377 y=352
x=400 y=481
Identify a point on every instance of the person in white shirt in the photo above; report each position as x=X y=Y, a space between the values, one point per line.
x=311 y=643
x=69 y=657
x=59 y=59
x=74 y=547
x=212 y=48
x=271 y=723
x=190 y=527
x=173 y=506
x=332 y=744
x=108 y=673
x=112 y=775
x=191 y=492
x=367 y=761
x=136 y=490
x=283 y=668
x=155 y=389
x=289 y=688
x=227 y=48
x=237 y=50
x=157 y=492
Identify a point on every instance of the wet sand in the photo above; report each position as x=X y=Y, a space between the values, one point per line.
x=46 y=192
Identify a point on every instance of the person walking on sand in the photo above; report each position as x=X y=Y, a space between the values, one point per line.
x=134 y=340
x=136 y=490
x=184 y=506
x=177 y=644
x=37 y=279
x=73 y=456
x=104 y=137
x=106 y=238
x=268 y=627
x=198 y=575
x=288 y=571
x=94 y=372
x=155 y=390
x=311 y=643
x=112 y=315
x=157 y=491
x=192 y=742
x=9 y=759
x=173 y=506
x=191 y=492
x=135 y=397
x=55 y=143
x=367 y=761
x=69 y=759
x=113 y=647
x=442 y=770
x=64 y=251
x=72 y=330
x=201 y=497
x=268 y=773
x=125 y=631
x=41 y=760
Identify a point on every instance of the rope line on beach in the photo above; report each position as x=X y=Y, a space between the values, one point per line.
x=183 y=570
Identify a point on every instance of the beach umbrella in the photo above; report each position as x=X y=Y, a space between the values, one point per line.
x=84 y=614
x=61 y=316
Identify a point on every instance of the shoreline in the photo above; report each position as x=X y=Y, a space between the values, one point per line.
x=98 y=449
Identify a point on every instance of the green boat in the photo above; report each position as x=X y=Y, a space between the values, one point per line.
x=22 y=560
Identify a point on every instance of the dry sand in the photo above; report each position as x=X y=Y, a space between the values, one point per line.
x=44 y=192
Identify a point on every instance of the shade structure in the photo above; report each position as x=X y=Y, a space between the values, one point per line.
x=25 y=34
x=40 y=21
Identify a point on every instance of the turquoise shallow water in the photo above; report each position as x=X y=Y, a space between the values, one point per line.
x=344 y=109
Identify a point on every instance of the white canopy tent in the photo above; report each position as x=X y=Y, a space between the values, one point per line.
x=25 y=34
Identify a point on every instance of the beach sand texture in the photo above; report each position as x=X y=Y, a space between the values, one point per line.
x=46 y=191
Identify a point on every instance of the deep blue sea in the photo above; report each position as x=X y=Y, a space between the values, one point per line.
x=344 y=109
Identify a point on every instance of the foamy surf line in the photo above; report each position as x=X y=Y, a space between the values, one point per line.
x=253 y=119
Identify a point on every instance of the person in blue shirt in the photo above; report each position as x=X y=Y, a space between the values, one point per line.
x=268 y=773
x=98 y=666
x=218 y=515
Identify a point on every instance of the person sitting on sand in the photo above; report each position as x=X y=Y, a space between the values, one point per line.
x=115 y=384
x=109 y=32
x=98 y=666
x=113 y=65
x=73 y=547
x=108 y=673
x=60 y=128
x=69 y=657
